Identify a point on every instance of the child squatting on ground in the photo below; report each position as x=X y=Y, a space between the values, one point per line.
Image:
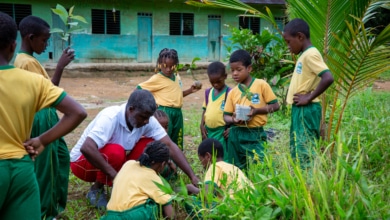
x=225 y=177
x=19 y=194
x=310 y=79
x=247 y=137
x=166 y=87
x=140 y=197
x=52 y=166
x=212 y=124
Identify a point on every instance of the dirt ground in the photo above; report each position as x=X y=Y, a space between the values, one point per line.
x=96 y=93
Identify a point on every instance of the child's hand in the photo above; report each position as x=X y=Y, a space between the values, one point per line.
x=192 y=189
x=226 y=133
x=194 y=88
x=66 y=57
x=33 y=147
x=301 y=99
x=172 y=167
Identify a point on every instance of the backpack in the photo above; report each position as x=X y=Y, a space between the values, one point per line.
x=207 y=92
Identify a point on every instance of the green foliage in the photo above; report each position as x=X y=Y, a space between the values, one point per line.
x=189 y=67
x=70 y=21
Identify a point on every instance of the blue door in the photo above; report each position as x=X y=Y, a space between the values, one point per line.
x=144 y=37
x=214 y=40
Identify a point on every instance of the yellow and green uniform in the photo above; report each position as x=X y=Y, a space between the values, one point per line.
x=232 y=177
x=52 y=166
x=305 y=120
x=213 y=116
x=135 y=194
x=167 y=92
x=22 y=94
x=248 y=139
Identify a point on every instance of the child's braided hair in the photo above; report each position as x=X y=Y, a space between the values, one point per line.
x=155 y=152
x=164 y=54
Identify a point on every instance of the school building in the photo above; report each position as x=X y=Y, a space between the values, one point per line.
x=134 y=31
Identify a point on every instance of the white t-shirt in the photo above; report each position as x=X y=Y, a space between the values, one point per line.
x=109 y=127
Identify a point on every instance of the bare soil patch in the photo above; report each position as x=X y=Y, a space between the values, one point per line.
x=97 y=93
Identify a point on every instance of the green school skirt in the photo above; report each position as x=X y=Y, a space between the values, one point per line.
x=217 y=133
x=245 y=144
x=147 y=211
x=304 y=132
x=175 y=125
x=51 y=166
x=19 y=194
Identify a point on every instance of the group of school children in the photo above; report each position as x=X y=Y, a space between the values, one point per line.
x=29 y=124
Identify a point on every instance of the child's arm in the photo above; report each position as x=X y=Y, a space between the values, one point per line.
x=269 y=108
x=192 y=89
x=203 y=130
x=65 y=59
x=304 y=99
x=74 y=114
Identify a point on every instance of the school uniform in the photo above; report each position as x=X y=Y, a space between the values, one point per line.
x=305 y=120
x=168 y=93
x=136 y=198
x=52 y=166
x=248 y=139
x=22 y=94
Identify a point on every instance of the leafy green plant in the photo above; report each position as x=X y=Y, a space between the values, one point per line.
x=70 y=21
x=190 y=67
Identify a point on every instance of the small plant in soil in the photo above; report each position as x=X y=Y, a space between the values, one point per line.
x=190 y=68
x=243 y=110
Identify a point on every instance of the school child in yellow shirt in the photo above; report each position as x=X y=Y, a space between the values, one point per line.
x=166 y=87
x=52 y=167
x=22 y=94
x=135 y=194
x=212 y=124
x=247 y=137
x=310 y=79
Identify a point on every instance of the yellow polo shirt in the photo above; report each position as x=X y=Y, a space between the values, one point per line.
x=306 y=77
x=213 y=115
x=27 y=62
x=22 y=94
x=233 y=176
x=133 y=185
x=166 y=91
x=262 y=95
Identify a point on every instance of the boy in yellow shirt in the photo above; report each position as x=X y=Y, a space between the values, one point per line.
x=310 y=79
x=212 y=124
x=247 y=138
x=52 y=167
x=22 y=94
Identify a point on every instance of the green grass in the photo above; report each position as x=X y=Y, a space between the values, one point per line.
x=352 y=184
x=385 y=75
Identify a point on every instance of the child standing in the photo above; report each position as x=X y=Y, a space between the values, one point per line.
x=140 y=197
x=22 y=94
x=212 y=124
x=166 y=87
x=52 y=167
x=247 y=138
x=310 y=79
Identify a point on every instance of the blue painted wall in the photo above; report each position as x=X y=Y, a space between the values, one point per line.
x=123 y=48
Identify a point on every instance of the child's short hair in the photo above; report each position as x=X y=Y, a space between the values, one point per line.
x=297 y=25
x=211 y=146
x=8 y=30
x=241 y=56
x=32 y=25
x=216 y=68
x=155 y=152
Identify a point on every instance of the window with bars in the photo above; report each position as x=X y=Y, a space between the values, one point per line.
x=181 y=24
x=16 y=11
x=251 y=23
x=106 y=21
